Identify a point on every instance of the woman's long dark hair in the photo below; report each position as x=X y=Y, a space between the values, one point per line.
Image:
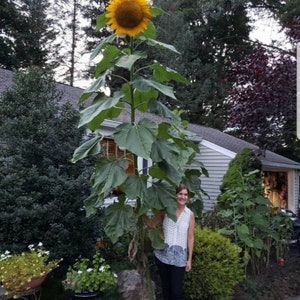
x=182 y=187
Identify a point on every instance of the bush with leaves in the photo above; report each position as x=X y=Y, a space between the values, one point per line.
x=216 y=268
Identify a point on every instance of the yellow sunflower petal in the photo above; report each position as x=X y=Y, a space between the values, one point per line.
x=129 y=17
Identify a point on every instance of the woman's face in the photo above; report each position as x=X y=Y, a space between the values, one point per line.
x=182 y=197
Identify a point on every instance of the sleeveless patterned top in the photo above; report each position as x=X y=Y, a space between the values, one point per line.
x=175 y=243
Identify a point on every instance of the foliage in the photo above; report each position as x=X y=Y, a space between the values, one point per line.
x=266 y=82
x=41 y=192
x=90 y=275
x=252 y=222
x=18 y=269
x=244 y=162
x=210 y=36
x=289 y=18
x=216 y=267
x=246 y=216
x=26 y=33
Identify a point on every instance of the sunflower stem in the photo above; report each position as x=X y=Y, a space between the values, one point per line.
x=143 y=260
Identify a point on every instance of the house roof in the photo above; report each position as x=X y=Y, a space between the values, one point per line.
x=214 y=136
x=231 y=143
x=69 y=93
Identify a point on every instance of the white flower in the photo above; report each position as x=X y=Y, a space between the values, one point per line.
x=47 y=252
x=115 y=275
x=102 y=269
x=79 y=272
x=89 y=270
x=31 y=247
x=40 y=244
x=6 y=252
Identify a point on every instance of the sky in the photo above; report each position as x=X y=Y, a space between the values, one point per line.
x=266 y=30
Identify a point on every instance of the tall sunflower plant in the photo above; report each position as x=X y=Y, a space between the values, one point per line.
x=166 y=143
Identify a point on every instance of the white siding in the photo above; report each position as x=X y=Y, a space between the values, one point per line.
x=297 y=192
x=216 y=164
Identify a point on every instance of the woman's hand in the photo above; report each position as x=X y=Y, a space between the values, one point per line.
x=188 y=266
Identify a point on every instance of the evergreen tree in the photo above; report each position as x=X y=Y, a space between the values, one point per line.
x=41 y=192
x=26 y=33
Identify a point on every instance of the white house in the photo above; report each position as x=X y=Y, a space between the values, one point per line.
x=217 y=149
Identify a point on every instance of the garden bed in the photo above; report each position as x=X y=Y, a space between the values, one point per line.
x=278 y=282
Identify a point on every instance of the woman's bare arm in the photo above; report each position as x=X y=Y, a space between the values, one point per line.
x=190 y=242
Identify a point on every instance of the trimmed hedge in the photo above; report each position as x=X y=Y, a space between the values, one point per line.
x=216 y=267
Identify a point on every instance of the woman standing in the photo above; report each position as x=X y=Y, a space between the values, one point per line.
x=176 y=256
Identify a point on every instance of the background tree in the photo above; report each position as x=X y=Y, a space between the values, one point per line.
x=210 y=36
x=68 y=61
x=41 y=192
x=26 y=33
x=263 y=99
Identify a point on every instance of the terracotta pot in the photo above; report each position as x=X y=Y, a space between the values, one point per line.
x=34 y=283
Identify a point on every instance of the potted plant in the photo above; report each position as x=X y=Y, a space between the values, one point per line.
x=25 y=271
x=88 y=277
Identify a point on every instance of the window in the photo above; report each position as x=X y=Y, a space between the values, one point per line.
x=275 y=188
x=109 y=148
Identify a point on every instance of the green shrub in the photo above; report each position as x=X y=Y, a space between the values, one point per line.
x=216 y=267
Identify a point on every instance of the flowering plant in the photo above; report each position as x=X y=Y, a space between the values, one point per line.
x=17 y=270
x=90 y=275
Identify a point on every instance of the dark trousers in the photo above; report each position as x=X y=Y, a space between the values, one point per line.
x=171 y=280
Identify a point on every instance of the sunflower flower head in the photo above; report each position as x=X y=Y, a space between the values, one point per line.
x=128 y=17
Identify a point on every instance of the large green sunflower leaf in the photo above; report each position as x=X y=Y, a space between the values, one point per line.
x=144 y=85
x=156 y=237
x=141 y=100
x=101 y=45
x=85 y=95
x=148 y=33
x=97 y=85
x=137 y=138
x=160 y=45
x=109 y=173
x=164 y=74
x=127 y=61
x=101 y=103
x=118 y=220
x=162 y=197
x=165 y=171
x=101 y=21
x=165 y=150
x=160 y=109
x=109 y=54
x=163 y=131
x=156 y=11
x=135 y=186
x=91 y=147
x=110 y=113
x=93 y=203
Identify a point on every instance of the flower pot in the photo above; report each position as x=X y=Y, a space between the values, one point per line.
x=87 y=296
x=34 y=283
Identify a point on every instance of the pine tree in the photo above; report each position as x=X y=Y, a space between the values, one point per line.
x=41 y=192
x=26 y=33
